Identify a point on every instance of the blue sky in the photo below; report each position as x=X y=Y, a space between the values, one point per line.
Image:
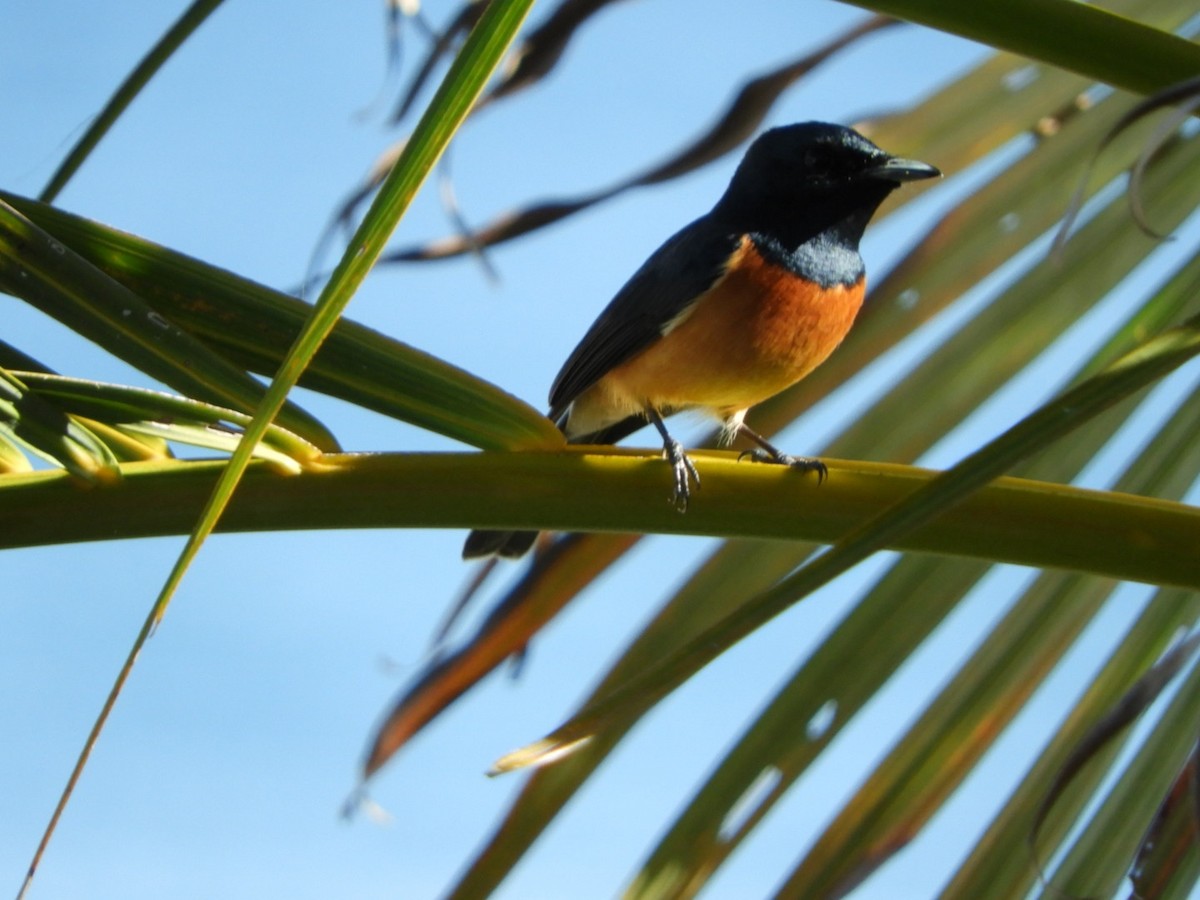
x=223 y=769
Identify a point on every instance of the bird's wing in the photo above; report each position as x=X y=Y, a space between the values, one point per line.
x=670 y=281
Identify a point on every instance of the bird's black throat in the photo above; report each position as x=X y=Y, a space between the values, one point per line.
x=815 y=236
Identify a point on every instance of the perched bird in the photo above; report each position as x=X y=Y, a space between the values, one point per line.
x=740 y=304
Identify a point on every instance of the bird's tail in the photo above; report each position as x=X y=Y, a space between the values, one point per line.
x=515 y=544
x=506 y=544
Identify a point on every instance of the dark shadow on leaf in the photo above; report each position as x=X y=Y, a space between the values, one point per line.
x=1136 y=701
x=1186 y=96
x=1170 y=844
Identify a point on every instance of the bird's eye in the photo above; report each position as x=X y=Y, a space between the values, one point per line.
x=816 y=159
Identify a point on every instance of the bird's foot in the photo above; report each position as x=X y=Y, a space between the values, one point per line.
x=803 y=463
x=685 y=473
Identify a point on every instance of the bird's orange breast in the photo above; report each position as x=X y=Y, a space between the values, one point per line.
x=758 y=330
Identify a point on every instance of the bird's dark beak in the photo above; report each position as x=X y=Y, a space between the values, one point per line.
x=900 y=170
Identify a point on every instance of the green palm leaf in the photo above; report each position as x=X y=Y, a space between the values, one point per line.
x=1025 y=122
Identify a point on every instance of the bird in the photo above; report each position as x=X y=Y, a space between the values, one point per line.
x=732 y=309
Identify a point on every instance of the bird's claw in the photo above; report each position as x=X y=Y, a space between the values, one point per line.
x=685 y=473
x=803 y=463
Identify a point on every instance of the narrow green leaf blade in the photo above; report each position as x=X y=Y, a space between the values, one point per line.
x=180 y=31
x=1063 y=33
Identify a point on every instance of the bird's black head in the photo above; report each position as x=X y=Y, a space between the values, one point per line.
x=799 y=181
